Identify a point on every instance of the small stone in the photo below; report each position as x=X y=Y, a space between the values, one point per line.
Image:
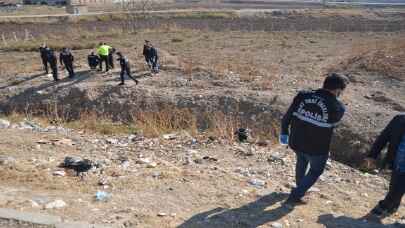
x=6 y=160
x=314 y=189
x=144 y=161
x=55 y=204
x=59 y=173
x=257 y=182
x=161 y=214
x=151 y=165
x=170 y=136
x=34 y=204
x=4 y=124
x=277 y=225
x=156 y=174
x=112 y=141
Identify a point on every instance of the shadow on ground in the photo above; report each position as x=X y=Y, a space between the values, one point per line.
x=330 y=221
x=251 y=215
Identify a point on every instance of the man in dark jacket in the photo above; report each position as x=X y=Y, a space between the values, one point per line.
x=307 y=128
x=42 y=51
x=93 y=61
x=111 y=57
x=151 y=57
x=393 y=136
x=125 y=68
x=66 y=59
x=53 y=63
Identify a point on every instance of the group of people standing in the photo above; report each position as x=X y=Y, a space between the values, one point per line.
x=105 y=54
x=49 y=58
x=307 y=128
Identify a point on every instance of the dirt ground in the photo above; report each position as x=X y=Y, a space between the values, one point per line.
x=204 y=183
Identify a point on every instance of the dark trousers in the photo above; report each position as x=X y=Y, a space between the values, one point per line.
x=111 y=61
x=394 y=196
x=45 y=64
x=104 y=58
x=69 y=68
x=127 y=72
x=306 y=178
x=54 y=69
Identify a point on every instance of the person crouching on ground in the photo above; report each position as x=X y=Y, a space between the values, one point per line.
x=307 y=128
x=66 y=59
x=125 y=68
x=93 y=61
x=394 y=136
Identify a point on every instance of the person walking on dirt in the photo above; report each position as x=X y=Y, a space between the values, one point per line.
x=66 y=59
x=394 y=136
x=103 y=51
x=53 y=63
x=151 y=57
x=307 y=128
x=125 y=68
x=43 y=53
x=93 y=61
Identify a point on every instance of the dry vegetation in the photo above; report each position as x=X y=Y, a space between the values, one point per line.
x=385 y=58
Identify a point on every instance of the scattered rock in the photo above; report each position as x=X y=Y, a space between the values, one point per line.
x=162 y=214
x=55 y=204
x=151 y=165
x=144 y=161
x=102 y=196
x=277 y=225
x=6 y=160
x=59 y=173
x=314 y=189
x=170 y=136
x=4 y=124
x=257 y=182
x=112 y=141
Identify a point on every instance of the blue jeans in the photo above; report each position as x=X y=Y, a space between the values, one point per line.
x=305 y=178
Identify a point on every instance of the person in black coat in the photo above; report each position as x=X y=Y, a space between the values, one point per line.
x=125 y=68
x=66 y=59
x=93 y=60
x=43 y=53
x=394 y=136
x=151 y=57
x=53 y=63
x=307 y=128
x=111 y=57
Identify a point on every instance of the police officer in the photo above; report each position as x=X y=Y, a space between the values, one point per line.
x=43 y=53
x=93 y=60
x=125 y=68
x=53 y=63
x=103 y=52
x=151 y=57
x=307 y=128
x=111 y=53
x=66 y=59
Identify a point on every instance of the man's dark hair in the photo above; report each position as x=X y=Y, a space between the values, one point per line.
x=335 y=81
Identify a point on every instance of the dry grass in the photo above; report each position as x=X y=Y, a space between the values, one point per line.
x=223 y=126
x=166 y=120
x=385 y=58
